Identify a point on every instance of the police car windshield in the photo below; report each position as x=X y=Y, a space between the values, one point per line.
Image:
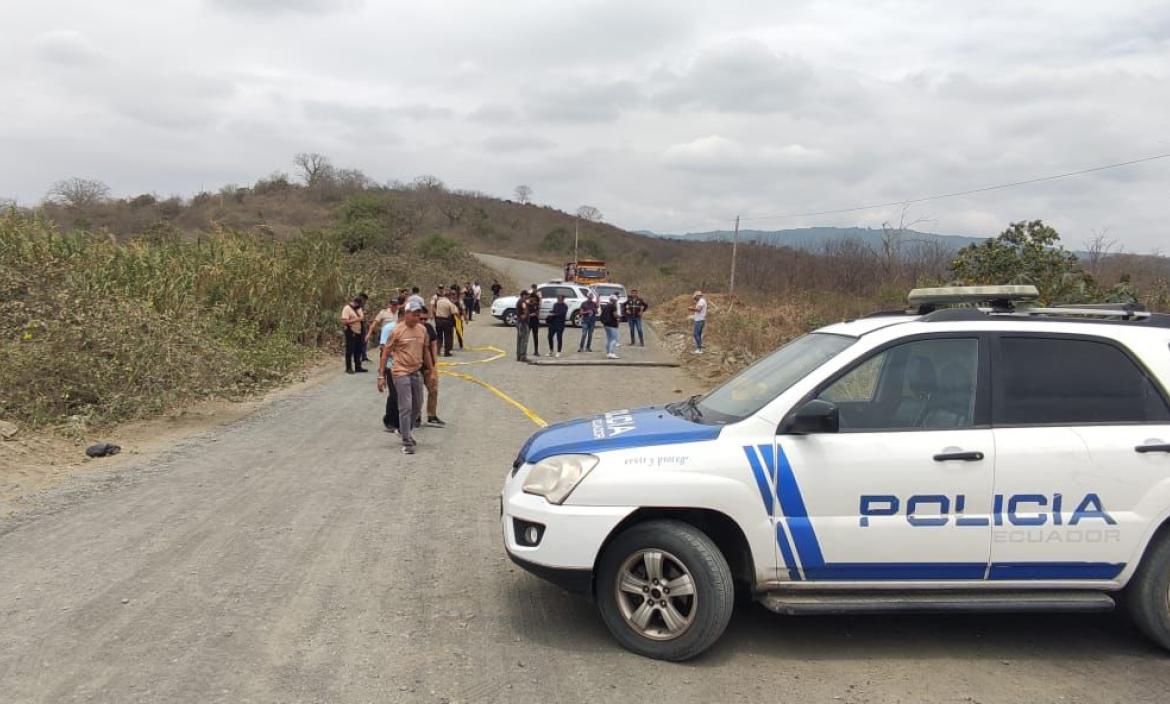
x=607 y=291
x=754 y=387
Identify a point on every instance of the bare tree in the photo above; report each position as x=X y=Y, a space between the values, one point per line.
x=1098 y=248
x=890 y=247
x=589 y=213
x=523 y=194
x=78 y=192
x=314 y=167
x=452 y=206
x=427 y=183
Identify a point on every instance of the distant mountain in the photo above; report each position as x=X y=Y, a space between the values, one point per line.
x=814 y=238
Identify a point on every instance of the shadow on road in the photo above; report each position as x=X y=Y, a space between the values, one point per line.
x=544 y=614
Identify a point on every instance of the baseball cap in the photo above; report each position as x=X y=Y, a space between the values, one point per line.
x=698 y=293
x=413 y=306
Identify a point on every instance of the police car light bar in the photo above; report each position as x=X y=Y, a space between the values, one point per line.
x=930 y=297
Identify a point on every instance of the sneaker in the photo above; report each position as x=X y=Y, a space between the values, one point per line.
x=611 y=355
x=361 y=371
x=697 y=352
x=436 y=422
x=349 y=371
x=551 y=354
x=408 y=449
x=557 y=355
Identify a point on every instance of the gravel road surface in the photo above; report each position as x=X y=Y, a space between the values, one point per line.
x=297 y=556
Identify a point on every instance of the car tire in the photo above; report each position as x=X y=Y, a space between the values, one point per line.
x=1148 y=595
x=575 y=319
x=509 y=318
x=672 y=550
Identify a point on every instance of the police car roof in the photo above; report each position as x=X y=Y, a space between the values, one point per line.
x=861 y=326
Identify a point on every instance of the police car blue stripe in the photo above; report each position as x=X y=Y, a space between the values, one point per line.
x=761 y=480
x=792 y=505
x=895 y=571
x=1055 y=570
x=786 y=553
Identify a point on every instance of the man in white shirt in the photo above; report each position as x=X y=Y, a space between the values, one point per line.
x=699 y=311
x=478 y=291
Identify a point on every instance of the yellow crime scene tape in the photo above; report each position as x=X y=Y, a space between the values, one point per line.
x=497 y=354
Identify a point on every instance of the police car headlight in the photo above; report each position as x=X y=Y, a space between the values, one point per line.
x=555 y=478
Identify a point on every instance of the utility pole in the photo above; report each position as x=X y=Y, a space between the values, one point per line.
x=734 y=247
x=576 y=239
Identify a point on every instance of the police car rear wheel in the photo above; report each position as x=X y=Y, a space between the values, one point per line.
x=1148 y=595
x=665 y=590
x=510 y=318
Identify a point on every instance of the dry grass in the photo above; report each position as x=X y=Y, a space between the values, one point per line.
x=95 y=330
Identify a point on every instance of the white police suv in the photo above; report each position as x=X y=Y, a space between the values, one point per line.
x=990 y=457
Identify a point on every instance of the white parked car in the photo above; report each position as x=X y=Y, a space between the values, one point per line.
x=995 y=457
x=604 y=291
x=504 y=307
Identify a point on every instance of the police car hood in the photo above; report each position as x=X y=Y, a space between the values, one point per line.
x=615 y=430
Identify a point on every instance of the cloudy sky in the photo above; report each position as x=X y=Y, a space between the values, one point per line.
x=669 y=115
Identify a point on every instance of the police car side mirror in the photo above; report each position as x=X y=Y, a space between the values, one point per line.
x=815 y=416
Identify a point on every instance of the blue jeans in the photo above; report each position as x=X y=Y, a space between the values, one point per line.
x=636 y=324
x=611 y=340
x=587 y=324
x=699 y=325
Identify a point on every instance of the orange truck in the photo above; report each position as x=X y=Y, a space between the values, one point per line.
x=586 y=272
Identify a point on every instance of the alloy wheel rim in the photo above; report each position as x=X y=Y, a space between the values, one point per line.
x=656 y=594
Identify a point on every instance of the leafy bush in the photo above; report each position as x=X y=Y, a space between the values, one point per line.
x=436 y=247
x=1028 y=253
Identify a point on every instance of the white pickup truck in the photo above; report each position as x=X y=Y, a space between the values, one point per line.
x=504 y=307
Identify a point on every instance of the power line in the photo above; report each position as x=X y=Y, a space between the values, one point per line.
x=984 y=189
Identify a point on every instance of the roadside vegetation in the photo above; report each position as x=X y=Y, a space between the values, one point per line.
x=97 y=328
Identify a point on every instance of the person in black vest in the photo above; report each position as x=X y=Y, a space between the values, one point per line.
x=633 y=310
x=534 y=320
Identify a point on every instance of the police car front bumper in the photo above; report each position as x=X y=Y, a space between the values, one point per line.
x=557 y=543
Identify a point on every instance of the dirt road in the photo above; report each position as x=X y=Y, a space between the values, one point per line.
x=297 y=556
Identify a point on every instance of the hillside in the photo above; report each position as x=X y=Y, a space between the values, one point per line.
x=830 y=271
x=815 y=239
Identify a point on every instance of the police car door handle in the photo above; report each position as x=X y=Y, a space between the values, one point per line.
x=963 y=456
x=1153 y=447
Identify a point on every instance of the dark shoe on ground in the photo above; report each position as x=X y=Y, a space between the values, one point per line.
x=349 y=371
x=361 y=371
x=436 y=422
x=408 y=449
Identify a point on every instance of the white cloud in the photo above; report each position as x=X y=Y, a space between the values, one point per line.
x=665 y=115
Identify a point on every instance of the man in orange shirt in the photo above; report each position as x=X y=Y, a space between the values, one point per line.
x=408 y=344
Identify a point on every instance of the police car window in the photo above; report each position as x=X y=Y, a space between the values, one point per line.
x=1041 y=380
x=548 y=292
x=925 y=384
x=566 y=292
x=754 y=387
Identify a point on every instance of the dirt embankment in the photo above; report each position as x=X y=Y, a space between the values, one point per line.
x=736 y=334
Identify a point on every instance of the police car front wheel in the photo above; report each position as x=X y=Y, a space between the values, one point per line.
x=665 y=590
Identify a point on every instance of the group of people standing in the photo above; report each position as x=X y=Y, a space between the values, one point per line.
x=412 y=336
x=609 y=312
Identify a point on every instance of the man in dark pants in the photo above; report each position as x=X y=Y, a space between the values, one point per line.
x=522 y=328
x=633 y=310
x=351 y=321
x=445 y=311
x=390 y=417
x=365 y=326
x=534 y=321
